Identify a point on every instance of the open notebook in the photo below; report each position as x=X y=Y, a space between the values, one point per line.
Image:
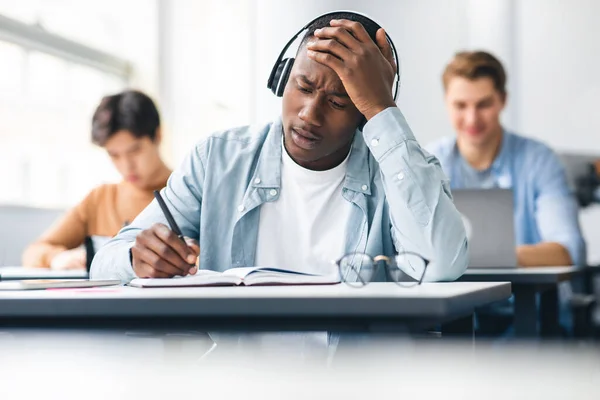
x=240 y=276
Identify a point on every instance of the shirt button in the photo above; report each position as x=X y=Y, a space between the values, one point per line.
x=257 y=181
x=273 y=192
x=240 y=208
x=364 y=187
x=374 y=142
x=400 y=176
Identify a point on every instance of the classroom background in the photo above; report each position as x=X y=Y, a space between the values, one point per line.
x=206 y=65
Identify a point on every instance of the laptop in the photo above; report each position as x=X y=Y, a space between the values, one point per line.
x=488 y=215
x=39 y=284
x=22 y=273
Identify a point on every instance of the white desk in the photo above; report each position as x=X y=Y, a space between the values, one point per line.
x=378 y=306
x=526 y=284
x=530 y=275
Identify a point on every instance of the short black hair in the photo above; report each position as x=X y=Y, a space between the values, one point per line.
x=130 y=110
x=370 y=26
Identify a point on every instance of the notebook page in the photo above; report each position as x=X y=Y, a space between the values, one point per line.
x=243 y=272
x=279 y=276
x=201 y=278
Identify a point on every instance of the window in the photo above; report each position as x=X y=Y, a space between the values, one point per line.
x=98 y=24
x=47 y=98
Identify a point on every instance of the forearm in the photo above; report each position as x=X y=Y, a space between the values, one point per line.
x=543 y=255
x=557 y=217
x=68 y=233
x=113 y=260
x=423 y=216
x=40 y=254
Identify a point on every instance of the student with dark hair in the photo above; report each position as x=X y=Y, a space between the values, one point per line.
x=127 y=126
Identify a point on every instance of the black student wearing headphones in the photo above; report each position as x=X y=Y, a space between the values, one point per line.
x=339 y=78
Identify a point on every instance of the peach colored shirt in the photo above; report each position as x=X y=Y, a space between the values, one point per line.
x=103 y=212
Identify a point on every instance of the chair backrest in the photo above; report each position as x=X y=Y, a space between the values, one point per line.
x=577 y=165
x=19 y=226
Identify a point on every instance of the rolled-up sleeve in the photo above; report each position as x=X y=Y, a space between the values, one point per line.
x=557 y=211
x=423 y=216
x=183 y=196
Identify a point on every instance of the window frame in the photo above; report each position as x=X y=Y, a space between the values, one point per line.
x=35 y=37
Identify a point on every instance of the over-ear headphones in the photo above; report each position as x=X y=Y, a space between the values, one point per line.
x=281 y=70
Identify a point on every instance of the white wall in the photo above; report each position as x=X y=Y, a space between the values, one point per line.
x=558 y=67
x=558 y=72
x=206 y=51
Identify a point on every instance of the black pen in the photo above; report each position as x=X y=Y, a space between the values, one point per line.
x=168 y=216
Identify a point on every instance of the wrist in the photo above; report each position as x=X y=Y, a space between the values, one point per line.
x=53 y=253
x=521 y=254
x=373 y=111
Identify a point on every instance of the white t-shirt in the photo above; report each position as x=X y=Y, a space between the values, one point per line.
x=305 y=228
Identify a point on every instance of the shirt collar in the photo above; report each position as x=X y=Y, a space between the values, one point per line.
x=308 y=176
x=501 y=160
x=268 y=170
x=358 y=172
x=500 y=167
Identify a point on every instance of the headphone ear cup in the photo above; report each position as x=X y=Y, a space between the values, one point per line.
x=281 y=76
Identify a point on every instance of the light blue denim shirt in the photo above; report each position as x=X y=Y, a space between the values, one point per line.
x=545 y=208
x=401 y=200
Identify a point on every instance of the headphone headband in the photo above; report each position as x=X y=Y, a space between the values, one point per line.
x=280 y=72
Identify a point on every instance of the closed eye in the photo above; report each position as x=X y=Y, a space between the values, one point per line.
x=304 y=90
x=337 y=105
x=485 y=104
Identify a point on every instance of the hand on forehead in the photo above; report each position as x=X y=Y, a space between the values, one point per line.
x=365 y=68
x=306 y=70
